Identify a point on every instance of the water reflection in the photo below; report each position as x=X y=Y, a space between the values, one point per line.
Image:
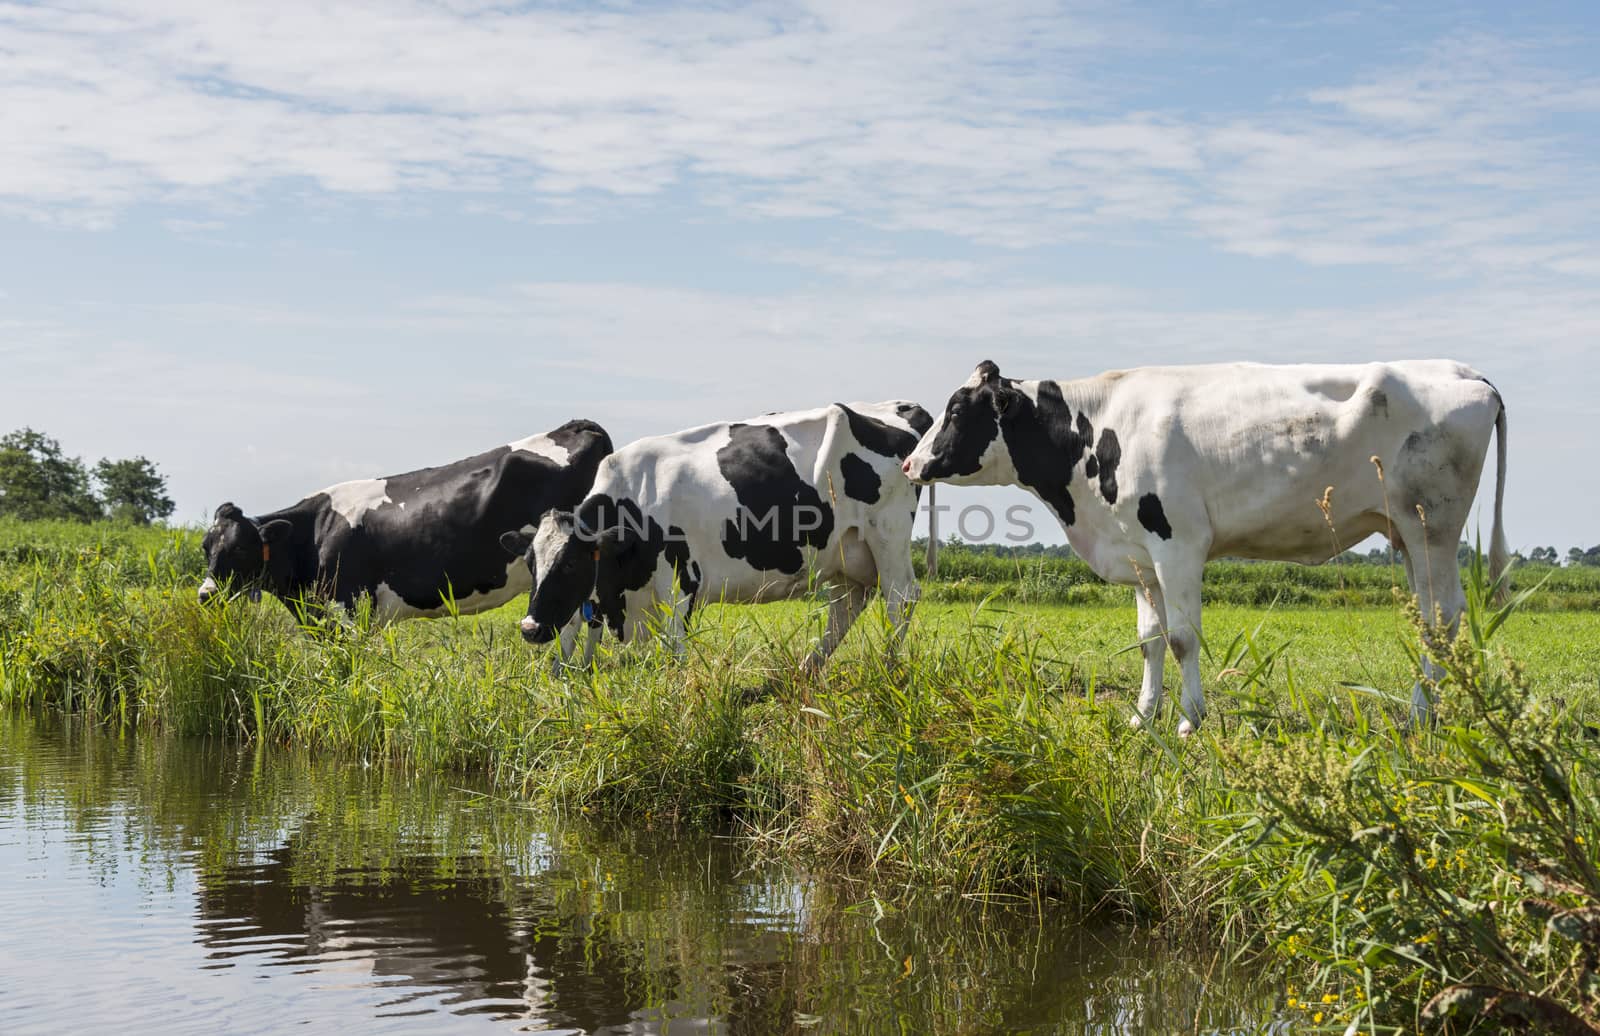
x=266 y=885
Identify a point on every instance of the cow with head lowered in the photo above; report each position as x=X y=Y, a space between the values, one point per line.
x=423 y=543
x=1153 y=471
x=750 y=511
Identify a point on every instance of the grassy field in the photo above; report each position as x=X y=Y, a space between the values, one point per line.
x=990 y=757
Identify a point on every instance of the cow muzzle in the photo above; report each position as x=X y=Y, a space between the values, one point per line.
x=208 y=590
x=536 y=633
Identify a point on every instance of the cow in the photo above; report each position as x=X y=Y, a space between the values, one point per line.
x=423 y=543
x=1156 y=470
x=749 y=511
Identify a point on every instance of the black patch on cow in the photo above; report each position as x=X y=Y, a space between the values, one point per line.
x=879 y=436
x=1153 y=516
x=1380 y=403
x=1046 y=445
x=916 y=417
x=630 y=552
x=970 y=425
x=1103 y=464
x=1044 y=439
x=860 y=481
x=685 y=567
x=436 y=541
x=580 y=434
x=780 y=512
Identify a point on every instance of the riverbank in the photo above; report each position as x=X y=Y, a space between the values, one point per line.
x=990 y=758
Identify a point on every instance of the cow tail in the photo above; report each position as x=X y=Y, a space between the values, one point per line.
x=1499 y=556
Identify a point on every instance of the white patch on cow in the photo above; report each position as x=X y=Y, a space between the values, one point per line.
x=1027 y=388
x=352 y=500
x=976 y=380
x=547 y=542
x=544 y=446
x=995 y=468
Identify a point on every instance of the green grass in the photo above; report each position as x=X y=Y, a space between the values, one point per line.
x=989 y=758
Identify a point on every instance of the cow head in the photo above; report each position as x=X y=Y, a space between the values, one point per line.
x=239 y=553
x=967 y=445
x=563 y=555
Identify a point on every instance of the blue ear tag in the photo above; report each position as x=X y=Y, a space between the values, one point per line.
x=587 y=611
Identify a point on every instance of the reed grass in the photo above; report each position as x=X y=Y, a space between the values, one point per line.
x=990 y=758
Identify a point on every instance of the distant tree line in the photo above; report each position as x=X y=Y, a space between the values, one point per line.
x=1375 y=556
x=38 y=481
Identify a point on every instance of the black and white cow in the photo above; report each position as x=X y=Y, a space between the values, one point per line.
x=752 y=511
x=410 y=542
x=1155 y=470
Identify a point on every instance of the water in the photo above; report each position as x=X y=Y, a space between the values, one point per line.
x=149 y=884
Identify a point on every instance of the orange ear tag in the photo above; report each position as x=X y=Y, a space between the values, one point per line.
x=596 y=555
x=266 y=552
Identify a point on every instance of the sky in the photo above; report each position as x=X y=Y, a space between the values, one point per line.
x=274 y=246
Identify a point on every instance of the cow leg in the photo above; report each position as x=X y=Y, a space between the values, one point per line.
x=894 y=575
x=1180 y=589
x=591 y=640
x=566 y=641
x=900 y=596
x=1153 y=646
x=1421 y=707
x=1435 y=579
x=846 y=603
x=677 y=618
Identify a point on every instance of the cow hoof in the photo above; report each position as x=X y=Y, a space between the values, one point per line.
x=1136 y=721
x=1185 y=728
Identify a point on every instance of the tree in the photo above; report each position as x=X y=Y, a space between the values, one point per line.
x=133 y=490
x=38 y=481
x=1589 y=558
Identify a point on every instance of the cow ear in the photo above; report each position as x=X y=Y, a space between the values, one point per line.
x=988 y=371
x=516 y=542
x=276 y=531
x=228 y=510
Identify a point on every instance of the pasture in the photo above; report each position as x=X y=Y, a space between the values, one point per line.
x=990 y=758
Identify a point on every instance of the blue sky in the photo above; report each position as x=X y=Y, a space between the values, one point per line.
x=273 y=246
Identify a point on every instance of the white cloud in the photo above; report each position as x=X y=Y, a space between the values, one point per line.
x=987 y=122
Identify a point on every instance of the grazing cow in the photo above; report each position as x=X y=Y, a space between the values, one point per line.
x=1156 y=470
x=417 y=544
x=746 y=512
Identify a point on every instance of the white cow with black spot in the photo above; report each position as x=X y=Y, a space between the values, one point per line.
x=748 y=511
x=1154 y=471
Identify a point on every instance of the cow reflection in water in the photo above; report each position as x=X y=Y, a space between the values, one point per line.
x=467 y=938
x=695 y=945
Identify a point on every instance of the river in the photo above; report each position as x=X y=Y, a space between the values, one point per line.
x=150 y=884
